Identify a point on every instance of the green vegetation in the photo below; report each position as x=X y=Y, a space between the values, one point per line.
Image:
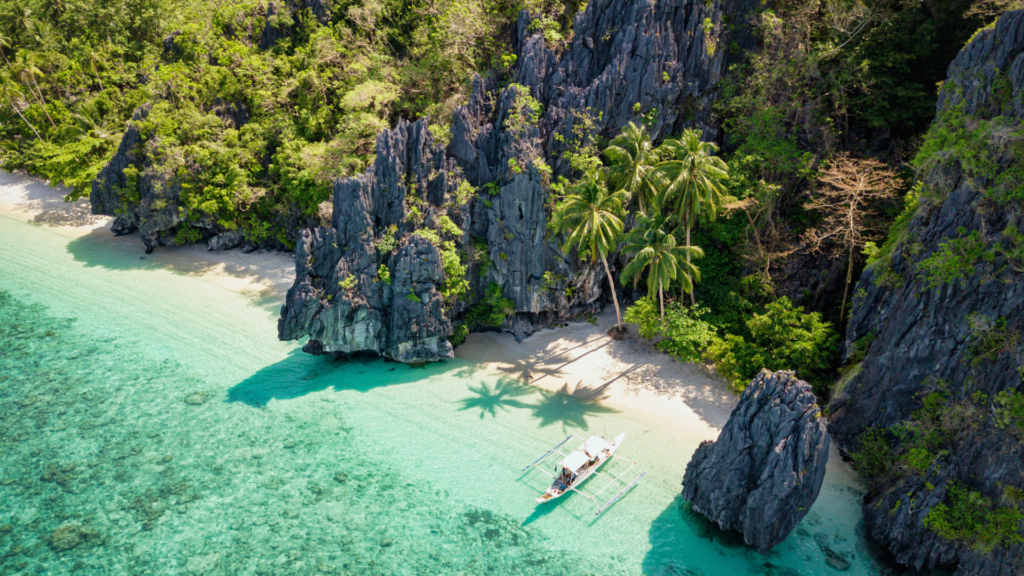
x=348 y=282
x=968 y=518
x=954 y=260
x=783 y=338
x=989 y=338
x=455 y=284
x=491 y=310
x=1009 y=410
x=684 y=331
x=249 y=133
x=384 y=275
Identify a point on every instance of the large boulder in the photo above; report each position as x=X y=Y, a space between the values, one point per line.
x=765 y=470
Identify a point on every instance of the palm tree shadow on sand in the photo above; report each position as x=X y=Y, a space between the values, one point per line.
x=503 y=396
x=571 y=407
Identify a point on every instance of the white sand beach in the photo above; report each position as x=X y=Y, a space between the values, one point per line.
x=579 y=359
x=261 y=274
x=583 y=361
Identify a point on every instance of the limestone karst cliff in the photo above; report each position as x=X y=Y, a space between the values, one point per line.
x=930 y=406
x=626 y=58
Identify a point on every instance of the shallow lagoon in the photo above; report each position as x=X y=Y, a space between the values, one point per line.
x=157 y=419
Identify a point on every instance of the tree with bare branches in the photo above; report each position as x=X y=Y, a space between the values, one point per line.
x=848 y=192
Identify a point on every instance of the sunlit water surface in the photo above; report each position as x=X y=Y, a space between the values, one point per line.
x=151 y=423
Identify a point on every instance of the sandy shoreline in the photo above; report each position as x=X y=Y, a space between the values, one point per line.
x=582 y=361
x=263 y=275
x=579 y=360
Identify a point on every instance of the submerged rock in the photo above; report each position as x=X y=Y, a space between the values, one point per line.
x=71 y=536
x=765 y=470
x=197 y=398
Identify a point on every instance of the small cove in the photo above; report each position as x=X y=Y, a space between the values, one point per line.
x=281 y=463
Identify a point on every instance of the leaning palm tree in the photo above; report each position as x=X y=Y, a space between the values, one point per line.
x=10 y=91
x=5 y=44
x=26 y=71
x=691 y=179
x=654 y=247
x=588 y=218
x=631 y=158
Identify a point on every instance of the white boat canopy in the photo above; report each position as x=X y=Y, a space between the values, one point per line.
x=574 y=461
x=577 y=459
x=595 y=445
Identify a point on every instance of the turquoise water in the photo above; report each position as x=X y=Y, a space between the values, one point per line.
x=151 y=423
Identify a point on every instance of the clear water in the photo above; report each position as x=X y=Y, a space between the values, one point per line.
x=151 y=423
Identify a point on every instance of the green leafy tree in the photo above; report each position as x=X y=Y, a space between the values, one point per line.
x=692 y=180
x=588 y=217
x=652 y=244
x=783 y=338
x=631 y=158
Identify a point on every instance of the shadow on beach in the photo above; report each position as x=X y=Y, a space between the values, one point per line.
x=48 y=202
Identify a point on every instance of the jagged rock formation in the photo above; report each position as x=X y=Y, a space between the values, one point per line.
x=764 y=471
x=626 y=58
x=942 y=318
x=405 y=319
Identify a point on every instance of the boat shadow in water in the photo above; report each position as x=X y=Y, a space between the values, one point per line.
x=301 y=374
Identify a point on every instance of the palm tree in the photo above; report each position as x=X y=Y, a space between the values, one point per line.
x=5 y=42
x=588 y=216
x=654 y=248
x=691 y=179
x=90 y=61
x=631 y=158
x=27 y=71
x=11 y=91
x=23 y=19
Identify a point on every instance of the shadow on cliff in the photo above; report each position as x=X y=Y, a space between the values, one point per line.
x=301 y=374
x=262 y=277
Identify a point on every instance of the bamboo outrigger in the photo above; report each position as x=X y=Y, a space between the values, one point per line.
x=577 y=466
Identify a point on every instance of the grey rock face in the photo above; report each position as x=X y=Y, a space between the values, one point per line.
x=338 y=300
x=765 y=470
x=624 y=53
x=922 y=333
x=226 y=240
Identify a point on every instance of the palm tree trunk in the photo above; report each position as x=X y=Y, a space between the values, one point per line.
x=661 y=297
x=693 y=285
x=846 y=289
x=611 y=284
x=42 y=102
x=25 y=120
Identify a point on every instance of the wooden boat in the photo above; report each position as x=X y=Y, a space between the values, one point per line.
x=577 y=466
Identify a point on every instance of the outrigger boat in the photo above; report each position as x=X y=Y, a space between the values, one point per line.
x=577 y=466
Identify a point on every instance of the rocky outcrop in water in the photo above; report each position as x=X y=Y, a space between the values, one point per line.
x=764 y=471
x=934 y=339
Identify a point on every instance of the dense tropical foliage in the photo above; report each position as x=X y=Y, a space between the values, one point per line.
x=708 y=224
